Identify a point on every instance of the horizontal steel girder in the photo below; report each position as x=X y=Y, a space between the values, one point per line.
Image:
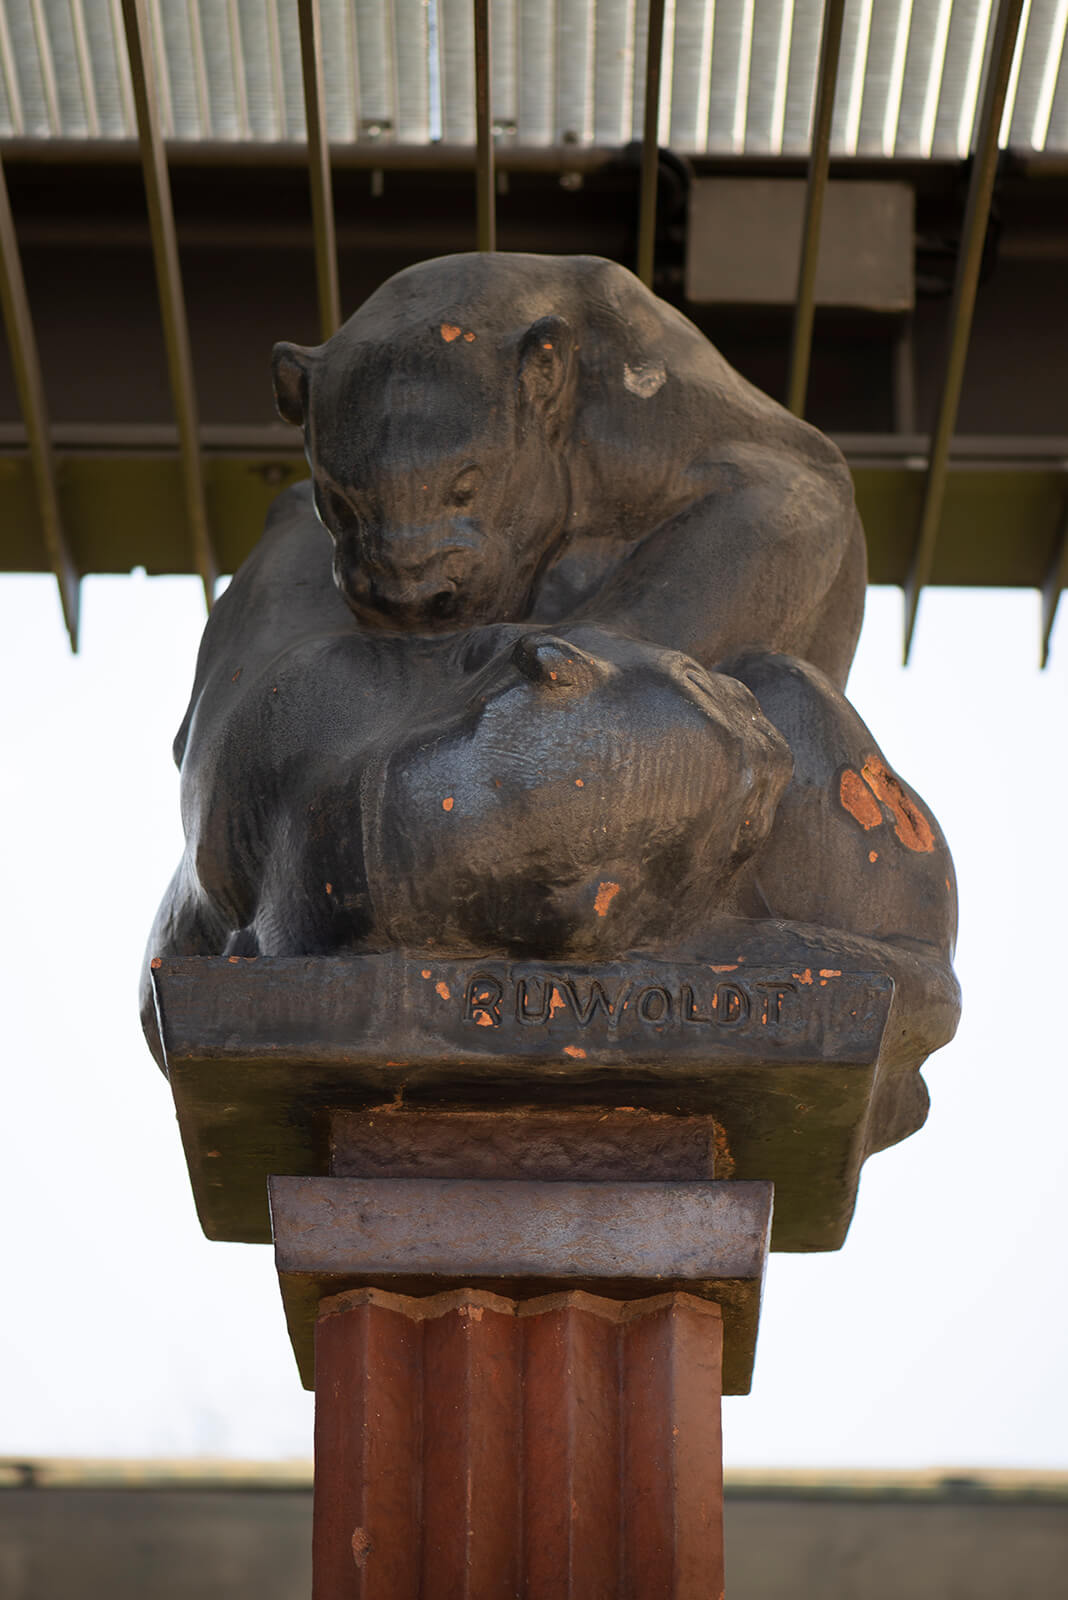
x=121 y=498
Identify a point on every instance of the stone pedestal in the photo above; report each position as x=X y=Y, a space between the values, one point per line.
x=521 y=1216
x=561 y=1448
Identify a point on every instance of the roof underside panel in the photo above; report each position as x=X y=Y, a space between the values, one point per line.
x=739 y=75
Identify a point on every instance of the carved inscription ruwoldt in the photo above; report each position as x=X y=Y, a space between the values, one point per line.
x=536 y=1001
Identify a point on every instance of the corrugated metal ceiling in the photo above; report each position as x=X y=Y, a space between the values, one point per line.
x=740 y=78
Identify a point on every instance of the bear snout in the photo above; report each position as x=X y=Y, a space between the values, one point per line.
x=431 y=598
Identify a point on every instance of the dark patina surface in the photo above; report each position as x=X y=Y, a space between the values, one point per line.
x=531 y=781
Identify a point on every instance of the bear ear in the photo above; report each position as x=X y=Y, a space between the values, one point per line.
x=553 y=663
x=545 y=352
x=291 y=366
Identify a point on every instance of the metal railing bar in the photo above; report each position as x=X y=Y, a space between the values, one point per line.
x=962 y=307
x=1056 y=581
x=29 y=383
x=903 y=378
x=485 y=177
x=153 y=35
x=1043 y=453
x=122 y=69
x=293 y=153
x=11 y=78
x=171 y=296
x=414 y=157
x=654 y=50
x=47 y=65
x=322 y=194
x=274 y=52
x=85 y=67
x=819 y=163
x=237 y=60
x=200 y=70
x=134 y=438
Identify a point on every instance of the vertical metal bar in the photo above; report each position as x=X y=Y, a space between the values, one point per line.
x=819 y=162
x=233 y=18
x=171 y=298
x=962 y=308
x=274 y=54
x=85 y=67
x=161 y=83
x=485 y=181
x=200 y=72
x=47 y=66
x=28 y=381
x=903 y=379
x=650 y=144
x=1056 y=580
x=11 y=77
x=122 y=67
x=322 y=195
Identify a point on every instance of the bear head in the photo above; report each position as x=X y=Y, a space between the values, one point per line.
x=436 y=461
x=585 y=799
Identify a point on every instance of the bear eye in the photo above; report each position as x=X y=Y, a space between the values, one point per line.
x=465 y=487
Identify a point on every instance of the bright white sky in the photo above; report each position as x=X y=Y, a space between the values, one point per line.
x=935 y=1338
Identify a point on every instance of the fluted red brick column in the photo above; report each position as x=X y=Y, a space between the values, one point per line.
x=470 y=1447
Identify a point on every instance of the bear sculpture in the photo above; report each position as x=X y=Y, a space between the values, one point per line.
x=565 y=680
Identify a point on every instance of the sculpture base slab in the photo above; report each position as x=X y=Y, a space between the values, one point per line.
x=262 y=1053
x=565 y=1448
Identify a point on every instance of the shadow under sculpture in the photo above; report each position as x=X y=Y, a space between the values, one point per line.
x=544 y=742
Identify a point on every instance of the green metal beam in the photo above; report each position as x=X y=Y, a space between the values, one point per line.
x=1001 y=518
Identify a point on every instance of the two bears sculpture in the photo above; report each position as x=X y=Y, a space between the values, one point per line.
x=565 y=679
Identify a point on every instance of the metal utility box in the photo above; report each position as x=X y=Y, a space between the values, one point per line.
x=744 y=243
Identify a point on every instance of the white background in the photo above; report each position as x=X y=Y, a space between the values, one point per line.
x=936 y=1337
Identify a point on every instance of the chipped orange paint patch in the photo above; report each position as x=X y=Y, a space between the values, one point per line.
x=330 y=888
x=361 y=1546
x=804 y=977
x=483 y=1018
x=469 y=338
x=443 y=990
x=858 y=800
x=910 y=824
x=448 y=803
x=156 y=963
x=830 y=972
x=729 y=966
x=426 y=972
x=449 y=332
x=579 y=784
x=556 y=1002
x=723 y=1162
x=606 y=893
x=873 y=856
x=575 y=1051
